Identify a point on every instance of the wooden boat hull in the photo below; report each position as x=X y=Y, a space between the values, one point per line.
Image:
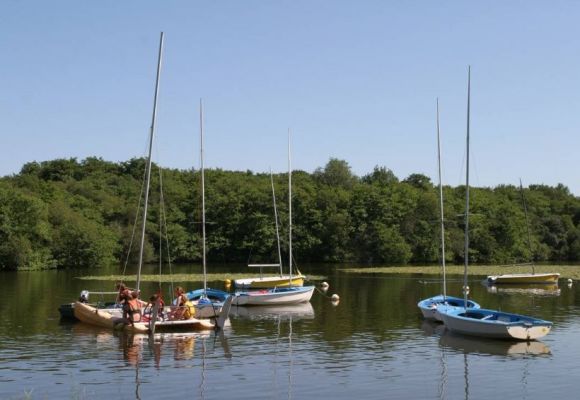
x=495 y=324
x=278 y=296
x=523 y=278
x=433 y=306
x=268 y=282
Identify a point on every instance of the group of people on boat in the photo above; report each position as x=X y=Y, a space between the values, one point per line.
x=137 y=310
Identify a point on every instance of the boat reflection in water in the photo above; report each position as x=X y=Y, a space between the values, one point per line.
x=467 y=344
x=538 y=290
x=456 y=351
x=295 y=311
x=483 y=346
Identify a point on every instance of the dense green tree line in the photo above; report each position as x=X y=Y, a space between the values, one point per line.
x=69 y=213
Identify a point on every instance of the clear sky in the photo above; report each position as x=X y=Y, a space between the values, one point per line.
x=355 y=80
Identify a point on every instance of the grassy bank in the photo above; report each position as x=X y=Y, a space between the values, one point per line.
x=566 y=271
x=176 y=278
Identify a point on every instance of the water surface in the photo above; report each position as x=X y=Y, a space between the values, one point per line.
x=373 y=345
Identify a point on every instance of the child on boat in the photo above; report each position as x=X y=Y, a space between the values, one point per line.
x=183 y=307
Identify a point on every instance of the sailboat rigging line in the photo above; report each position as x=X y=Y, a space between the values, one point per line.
x=276 y=220
x=527 y=226
x=152 y=134
x=441 y=207
x=202 y=196
x=134 y=224
x=289 y=210
x=163 y=219
x=466 y=253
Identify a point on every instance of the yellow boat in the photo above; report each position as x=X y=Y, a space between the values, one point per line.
x=265 y=282
x=524 y=278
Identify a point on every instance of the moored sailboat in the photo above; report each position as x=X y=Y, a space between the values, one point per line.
x=113 y=318
x=264 y=282
x=430 y=307
x=483 y=322
x=288 y=294
x=207 y=302
x=533 y=277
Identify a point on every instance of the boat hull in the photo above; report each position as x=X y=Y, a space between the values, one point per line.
x=106 y=318
x=495 y=324
x=268 y=282
x=432 y=307
x=208 y=303
x=523 y=278
x=278 y=296
x=112 y=319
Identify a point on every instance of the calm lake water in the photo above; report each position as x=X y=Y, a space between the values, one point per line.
x=373 y=345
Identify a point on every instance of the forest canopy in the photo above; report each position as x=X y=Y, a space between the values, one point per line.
x=69 y=213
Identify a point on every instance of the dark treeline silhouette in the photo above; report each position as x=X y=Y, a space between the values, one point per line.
x=66 y=213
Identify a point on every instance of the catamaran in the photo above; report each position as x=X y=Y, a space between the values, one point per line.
x=112 y=318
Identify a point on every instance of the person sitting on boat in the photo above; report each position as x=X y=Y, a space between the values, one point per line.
x=149 y=307
x=184 y=308
x=122 y=289
x=133 y=308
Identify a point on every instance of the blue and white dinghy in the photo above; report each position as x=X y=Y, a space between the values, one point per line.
x=495 y=324
x=431 y=307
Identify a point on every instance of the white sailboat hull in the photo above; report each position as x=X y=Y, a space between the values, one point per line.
x=274 y=297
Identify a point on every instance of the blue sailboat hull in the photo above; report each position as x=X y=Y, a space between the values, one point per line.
x=432 y=307
x=495 y=324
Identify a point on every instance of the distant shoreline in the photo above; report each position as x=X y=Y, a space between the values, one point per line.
x=565 y=271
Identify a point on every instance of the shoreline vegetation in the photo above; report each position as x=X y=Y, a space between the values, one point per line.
x=75 y=214
x=166 y=278
x=565 y=271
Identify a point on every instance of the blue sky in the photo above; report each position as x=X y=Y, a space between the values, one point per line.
x=355 y=80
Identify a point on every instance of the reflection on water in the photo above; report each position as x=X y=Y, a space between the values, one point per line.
x=525 y=290
x=295 y=311
x=482 y=346
x=371 y=346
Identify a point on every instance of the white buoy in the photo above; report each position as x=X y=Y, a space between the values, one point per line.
x=324 y=285
x=570 y=281
x=335 y=297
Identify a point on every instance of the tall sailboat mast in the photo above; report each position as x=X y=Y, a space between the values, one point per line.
x=466 y=257
x=441 y=208
x=148 y=166
x=289 y=210
x=202 y=197
x=276 y=219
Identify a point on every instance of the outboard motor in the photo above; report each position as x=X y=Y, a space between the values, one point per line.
x=84 y=298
